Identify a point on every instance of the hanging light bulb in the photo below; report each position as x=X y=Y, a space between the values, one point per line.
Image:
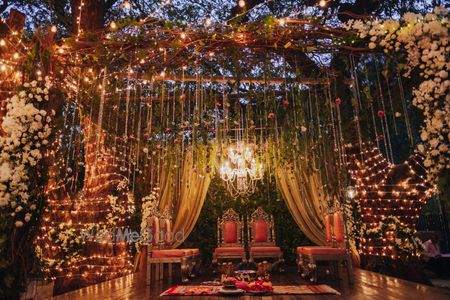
x=53 y=29
x=208 y=21
x=113 y=25
x=322 y=3
x=241 y=3
x=183 y=35
x=2 y=42
x=282 y=21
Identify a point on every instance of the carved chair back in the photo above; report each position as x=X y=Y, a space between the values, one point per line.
x=260 y=228
x=229 y=229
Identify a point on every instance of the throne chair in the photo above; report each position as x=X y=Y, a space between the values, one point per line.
x=261 y=234
x=158 y=251
x=229 y=238
x=335 y=253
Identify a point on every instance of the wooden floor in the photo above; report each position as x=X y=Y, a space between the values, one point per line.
x=368 y=285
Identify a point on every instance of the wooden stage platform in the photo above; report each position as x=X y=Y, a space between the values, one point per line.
x=368 y=285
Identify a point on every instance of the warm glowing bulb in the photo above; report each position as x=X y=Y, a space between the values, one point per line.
x=208 y=21
x=183 y=35
x=113 y=25
x=322 y=3
x=16 y=55
x=53 y=28
x=241 y=3
x=282 y=22
x=3 y=67
x=2 y=42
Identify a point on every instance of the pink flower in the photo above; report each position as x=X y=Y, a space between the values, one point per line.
x=271 y=116
x=380 y=113
x=337 y=101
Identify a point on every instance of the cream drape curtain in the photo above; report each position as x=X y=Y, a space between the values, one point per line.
x=185 y=192
x=305 y=199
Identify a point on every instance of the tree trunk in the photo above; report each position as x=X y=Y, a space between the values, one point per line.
x=91 y=18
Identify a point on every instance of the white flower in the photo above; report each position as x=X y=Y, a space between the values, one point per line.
x=421 y=148
x=424 y=135
x=5 y=171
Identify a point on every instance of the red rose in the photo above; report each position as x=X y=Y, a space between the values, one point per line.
x=380 y=113
x=337 y=101
x=271 y=116
x=146 y=136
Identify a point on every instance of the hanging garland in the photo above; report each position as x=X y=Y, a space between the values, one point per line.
x=426 y=41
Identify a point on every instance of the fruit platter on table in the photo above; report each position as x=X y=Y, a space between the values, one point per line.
x=238 y=284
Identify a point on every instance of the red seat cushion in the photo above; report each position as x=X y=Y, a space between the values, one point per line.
x=320 y=250
x=230 y=232
x=192 y=251
x=265 y=249
x=261 y=231
x=232 y=250
x=169 y=253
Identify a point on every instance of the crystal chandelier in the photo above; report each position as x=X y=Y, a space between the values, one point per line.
x=240 y=170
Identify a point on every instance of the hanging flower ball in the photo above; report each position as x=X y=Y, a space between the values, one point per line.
x=303 y=129
x=146 y=136
x=131 y=137
x=182 y=97
x=271 y=115
x=145 y=150
x=168 y=130
x=218 y=104
x=118 y=139
x=380 y=113
x=337 y=101
x=285 y=103
x=398 y=114
x=176 y=141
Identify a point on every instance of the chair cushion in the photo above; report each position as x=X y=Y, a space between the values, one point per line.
x=155 y=230
x=338 y=224
x=328 y=234
x=192 y=251
x=232 y=250
x=320 y=250
x=260 y=231
x=265 y=249
x=230 y=232
x=165 y=253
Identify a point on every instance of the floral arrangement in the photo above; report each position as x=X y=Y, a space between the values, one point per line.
x=403 y=240
x=70 y=242
x=353 y=223
x=26 y=129
x=426 y=42
x=149 y=206
x=119 y=209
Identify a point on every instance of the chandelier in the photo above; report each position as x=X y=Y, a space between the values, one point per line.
x=240 y=170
